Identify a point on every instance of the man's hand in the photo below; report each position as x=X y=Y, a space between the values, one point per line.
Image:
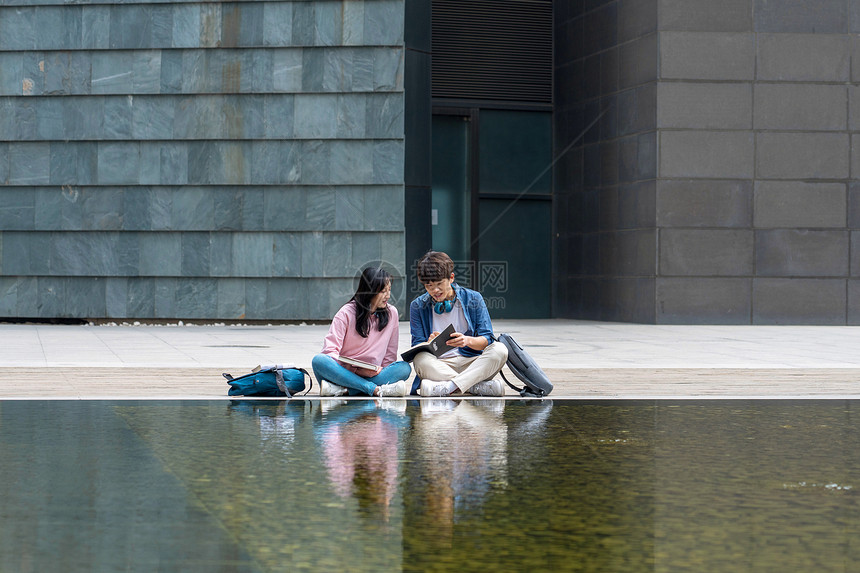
x=460 y=340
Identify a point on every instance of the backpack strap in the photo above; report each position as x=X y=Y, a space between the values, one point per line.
x=310 y=380
x=279 y=379
x=525 y=391
x=519 y=390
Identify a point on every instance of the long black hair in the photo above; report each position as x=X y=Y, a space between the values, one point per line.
x=371 y=282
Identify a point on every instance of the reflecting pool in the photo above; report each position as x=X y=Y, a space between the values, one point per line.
x=429 y=485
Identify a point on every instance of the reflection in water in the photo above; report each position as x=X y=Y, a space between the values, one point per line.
x=460 y=449
x=275 y=420
x=429 y=485
x=361 y=442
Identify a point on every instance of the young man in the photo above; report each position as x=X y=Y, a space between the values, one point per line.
x=476 y=358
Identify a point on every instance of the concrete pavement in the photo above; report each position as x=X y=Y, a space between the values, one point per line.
x=583 y=359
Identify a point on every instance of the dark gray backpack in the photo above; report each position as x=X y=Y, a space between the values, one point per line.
x=537 y=384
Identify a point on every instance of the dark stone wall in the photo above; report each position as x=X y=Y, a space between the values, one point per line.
x=755 y=170
x=752 y=188
x=418 y=121
x=605 y=143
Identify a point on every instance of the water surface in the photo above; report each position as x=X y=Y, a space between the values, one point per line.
x=429 y=485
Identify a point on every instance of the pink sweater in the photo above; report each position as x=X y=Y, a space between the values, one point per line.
x=378 y=348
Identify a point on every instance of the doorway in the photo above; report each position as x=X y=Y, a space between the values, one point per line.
x=491 y=204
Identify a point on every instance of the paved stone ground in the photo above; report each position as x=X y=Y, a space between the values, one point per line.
x=588 y=383
x=583 y=359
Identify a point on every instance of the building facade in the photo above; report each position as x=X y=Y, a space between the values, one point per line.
x=714 y=179
x=198 y=160
x=694 y=160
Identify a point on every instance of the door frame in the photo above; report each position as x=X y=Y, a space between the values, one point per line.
x=472 y=110
x=473 y=115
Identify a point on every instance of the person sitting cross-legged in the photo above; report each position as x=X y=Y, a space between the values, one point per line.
x=366 y=329
x=476 y=358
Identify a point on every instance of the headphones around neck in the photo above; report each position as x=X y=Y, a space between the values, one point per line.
x=443 y=306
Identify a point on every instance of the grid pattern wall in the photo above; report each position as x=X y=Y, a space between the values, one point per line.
x=717 y=183
x=757 y=201
x=197 y=160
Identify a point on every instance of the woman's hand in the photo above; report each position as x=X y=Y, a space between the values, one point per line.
x=367 y=372
x=433 y=335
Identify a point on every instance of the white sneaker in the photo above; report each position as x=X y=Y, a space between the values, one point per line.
x=396 y=389
x=434 y=388
x=488 y=388
x=328 y=389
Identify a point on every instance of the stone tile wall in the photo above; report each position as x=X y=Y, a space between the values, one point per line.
x=725 y=163
x=755 y=170
x=198 y=160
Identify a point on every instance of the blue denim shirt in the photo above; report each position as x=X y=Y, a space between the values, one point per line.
x=474 y=307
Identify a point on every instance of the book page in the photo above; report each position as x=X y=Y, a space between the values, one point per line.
x=356 y=362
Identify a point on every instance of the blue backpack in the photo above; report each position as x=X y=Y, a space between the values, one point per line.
x=276 y=381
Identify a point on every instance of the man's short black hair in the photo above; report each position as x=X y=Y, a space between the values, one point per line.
x=434 y=266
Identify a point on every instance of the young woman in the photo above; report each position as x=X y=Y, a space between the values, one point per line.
x=365 y=329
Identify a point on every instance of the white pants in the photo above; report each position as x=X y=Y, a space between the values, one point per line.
x=464 y=371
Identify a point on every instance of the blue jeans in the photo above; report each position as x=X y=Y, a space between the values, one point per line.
x=327 y=368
